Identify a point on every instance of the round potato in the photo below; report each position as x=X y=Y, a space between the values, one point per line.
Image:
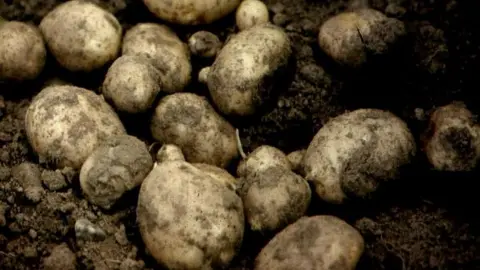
x=243 y=74
x=117 y=166
x=355 y=152
x=318 y=242
x=65 y=124
x=169 y=152
x=190 y=122
x=22 y=51
x=295 y=159
x=191 y=12
x=132 y=83
x=204 y=44
x=81 y=35
x=189 y=219
x=168 y=53
x=262 y=158
x=250 y=13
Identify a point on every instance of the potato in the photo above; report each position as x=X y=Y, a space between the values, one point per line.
x=204 y=44
x=243 y=74
x=81 y=35
x=168 y=53
x=355 y=152
x=169 y=152
x=190 y=122
x=117 y=166
x=262 y=158
x=250 y=13
x=191 y=12
x=351 y=37
x=65 y=124
x=132 y=83
x=189 y=219
x=22 y=51
x=203 y=75
x=295 y=158
x=453 y=139
x=318 y=242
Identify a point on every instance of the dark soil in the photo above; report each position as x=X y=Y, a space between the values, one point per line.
x=428 y=221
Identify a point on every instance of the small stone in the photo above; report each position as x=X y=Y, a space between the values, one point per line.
x=30 y=252
x=419 y=114
x=121 y=236
x=54 y=180
x=87 y=231
x=29 y=176
x=61 y=258
x=32 y=233
x=312 y=73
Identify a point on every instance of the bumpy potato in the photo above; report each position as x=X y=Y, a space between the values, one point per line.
x=81 y=35
x=191 y=12
x=189 y=219
x=244 y=73
x=22 y=51
x=65 y=124
x=117 y=166
x=190 y=122
x=318 y=242
x=168 y=53
x=355 y=152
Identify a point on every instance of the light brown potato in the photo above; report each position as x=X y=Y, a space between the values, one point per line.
x=250 y=13
x=169 y=152
x=189 y=219
x=263 y=157
x=65 y=124
x=191 y=12
x=190 y=122
x=81 y=35
x=354 y=153
x=117 y=166
x=168 y=53
x=295 y=159
x=247 y=68
x=204 y=44
x=318 y=242
x=22 y=51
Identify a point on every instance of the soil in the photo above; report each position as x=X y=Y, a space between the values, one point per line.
x=427 y=221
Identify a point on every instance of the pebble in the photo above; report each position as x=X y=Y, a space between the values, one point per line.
x=121 y=236
x=29 y=177
x=30 y=252
x=54 y=180
x=32 y=233
x=87 y=231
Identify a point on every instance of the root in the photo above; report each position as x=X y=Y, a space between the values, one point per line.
x=239 y=145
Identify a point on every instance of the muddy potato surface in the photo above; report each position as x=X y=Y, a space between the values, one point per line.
x=189 y=219
x=190 y=122
x=318 y=242
x=65 y=124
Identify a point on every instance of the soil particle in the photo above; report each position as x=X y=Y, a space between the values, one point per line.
x=60 y=258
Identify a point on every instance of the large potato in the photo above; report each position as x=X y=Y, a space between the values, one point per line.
x=190 y=217
x=355 y=152
x=65 y=124
x=191 y=12
x=188 y=121
x=81 y=35
x=168 y=53
x=244 y=73
x=318 y=242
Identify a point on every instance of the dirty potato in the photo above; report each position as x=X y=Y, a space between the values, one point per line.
x=191 y=12
x=295 y=159
x=22 y=51
x=204 y=44
x=262 y=158
x=65 y=124
x=117 y=166
x=250 y=13
x=168 y=53
x=247 y=68
x=189 y=219
x=354 y=153
x=169 y=152
x=318 y=242
x=190 y=122
x=81 y=35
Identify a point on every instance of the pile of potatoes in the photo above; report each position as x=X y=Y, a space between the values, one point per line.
x=193 y=209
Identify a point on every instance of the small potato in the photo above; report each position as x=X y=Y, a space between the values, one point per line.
x=81 y=35
x=190 y=122
x=65 y=124
x=250 y=13
x=453 y=141
x=117 y=166
x=354 y=153
x=296 y=158
x=204 y=44
x=351 y=37
x=189 y=219
x=132 y=83
x=244 y=73
x=191 y=12
x=318 y=242
x=168 y=53
x=22 y=51
x=261 y=158
x=203 y=75
x=169 y=152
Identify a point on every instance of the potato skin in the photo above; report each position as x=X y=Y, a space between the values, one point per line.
x=355 y=152
x=191 y=12
x=318 y=242
x=22 y=51
x=261 y=158
x=190 y=122
x=250 y=13
x=187 y=219
x=64 y=124
x=81 y=35
x=244 y=72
